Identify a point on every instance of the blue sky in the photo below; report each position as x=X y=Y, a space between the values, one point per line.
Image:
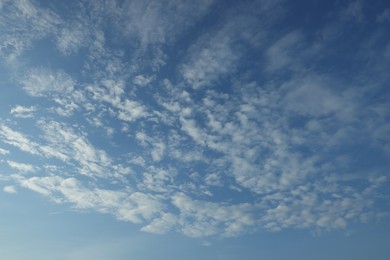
x=194 y=129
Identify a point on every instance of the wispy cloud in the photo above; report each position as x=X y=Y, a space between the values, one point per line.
x=10 y=189
x=125 y=205
x=41 y=82
x=153 y=22
x=22 y=22
x=384 y=16
x=22 y=167
x=72 y=37
x=66 y=144
x=284 y=51
x=3 y=151
x=209 y=63
x=17 y=139
x=23 y=112
x=199 y=118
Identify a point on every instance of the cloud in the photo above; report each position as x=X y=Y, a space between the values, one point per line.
x=354 y=11
x=113 y=93
x=123 y=204
x=303 y=207
x=42 y=82
x=23 y=112
x=66 y=144
x=56 y=85
x=153 y=22
x=22 y=167
x=18 y=140
x=161 y=225
x=384 y=16
x=131 y=110
x=198 y=117
x=3 y=151
x=142 y=80
x=22 y=22
x=284 y=51
x=199 y=218
x=72 y=36
x=209 y=62
x=311 y=97
x=10 y=189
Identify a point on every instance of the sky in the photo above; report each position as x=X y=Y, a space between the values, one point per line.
x=202 y=129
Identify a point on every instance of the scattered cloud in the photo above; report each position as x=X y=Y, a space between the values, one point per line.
x=18 y=140
x=22 y=167
x=3 y=151
x=23 y=112
x=354 y=10
x=153 y=22
x=10 y=189
x=66 y=144
x=142 y=80
x=209 y=63
x=384 y=16
x=282 y=53
x=196 y=117
x=125 y=205
x=42 y=82
x=72 y=37
x=22 y=23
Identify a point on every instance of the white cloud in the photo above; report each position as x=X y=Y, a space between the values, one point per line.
x=22 y=22
x=213 y=179
x=125 y=205
x=158 y=180
x=10 y=189
x=65 y=143
x=154 y=22
x=248 y=137
x=33 y=184
x=131 y=110
x=17 y=139
x=142 y=80
x=23 y=112
x=22 y=167
x=214 y=56
x=283 y=52
x=303 y=207
x=161 y=225
x=51 y=152
x=209 y=62
x=310 y=97
x=71 y=37
x=66 y=107
x=43 y=82
x=201 y=218
x=3 y=151
x=113 y=93
x=189 y=127
x=158 y=151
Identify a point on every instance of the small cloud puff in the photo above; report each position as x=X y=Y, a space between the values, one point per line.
x=23 y=112
x=10 y=189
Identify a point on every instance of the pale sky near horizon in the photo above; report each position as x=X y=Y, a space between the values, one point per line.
x=204 y=129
